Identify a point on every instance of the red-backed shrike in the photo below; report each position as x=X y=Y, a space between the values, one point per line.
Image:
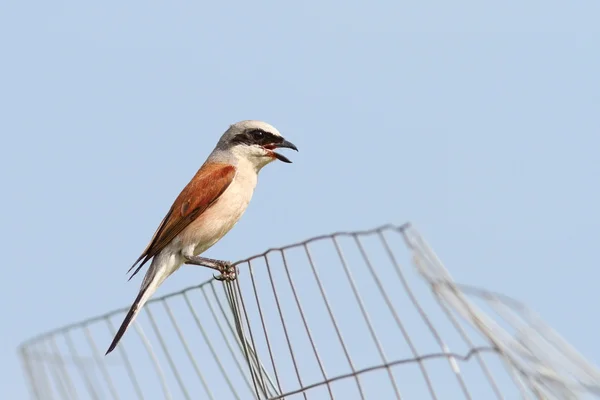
x=207 y=208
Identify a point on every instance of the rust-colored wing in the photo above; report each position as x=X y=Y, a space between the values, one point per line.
x=204 y=189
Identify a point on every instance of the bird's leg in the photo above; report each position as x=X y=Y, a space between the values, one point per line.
x=227 y=270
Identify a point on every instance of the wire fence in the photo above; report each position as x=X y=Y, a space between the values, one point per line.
x=334 y=317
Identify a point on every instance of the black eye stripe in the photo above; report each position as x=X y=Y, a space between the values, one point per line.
x=257 y=136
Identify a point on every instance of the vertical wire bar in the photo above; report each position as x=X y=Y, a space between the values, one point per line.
x=334 y=322
x=210 y=346
x=62 y=366
x=242 y=341
x=157 y=368
x=413 y=299
x=238 y=299
x=471 y=345
x=246 y=347
x=265 y=332
x=59 y=383
x=235 y=298
x=365 y=315
x=187 y=349
x=123 y=354
x=312 y=343
x=33 y=385
x=48 y=387
x=101 y=365
x=80 y=366
x=226 y=339
x=251 y=271
x=167 y=353
x=241 y=337
x=287 y=338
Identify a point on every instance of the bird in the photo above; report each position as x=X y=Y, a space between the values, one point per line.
x=207 y=208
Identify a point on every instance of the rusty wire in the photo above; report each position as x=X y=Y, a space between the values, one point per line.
x=333 y=317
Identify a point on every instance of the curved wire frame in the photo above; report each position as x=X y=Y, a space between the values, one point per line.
x=333 y=317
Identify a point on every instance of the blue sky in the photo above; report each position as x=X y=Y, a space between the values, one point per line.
x=478 y=122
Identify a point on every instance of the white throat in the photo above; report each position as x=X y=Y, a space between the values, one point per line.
x=248 y=157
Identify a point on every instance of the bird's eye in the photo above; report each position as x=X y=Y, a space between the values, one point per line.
x=258 y=135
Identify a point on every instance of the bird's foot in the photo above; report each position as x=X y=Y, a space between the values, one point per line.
x=228 y=271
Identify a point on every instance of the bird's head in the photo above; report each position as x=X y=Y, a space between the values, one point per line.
x=255 y=142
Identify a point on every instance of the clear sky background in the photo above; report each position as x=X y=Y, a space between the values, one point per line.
x=477 y=122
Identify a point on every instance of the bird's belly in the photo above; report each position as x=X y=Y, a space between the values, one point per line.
x=217 y=220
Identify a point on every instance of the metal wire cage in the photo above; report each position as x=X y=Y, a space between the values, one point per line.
x=334 y=317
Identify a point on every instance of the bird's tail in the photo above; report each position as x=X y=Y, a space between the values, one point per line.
x=157 y=273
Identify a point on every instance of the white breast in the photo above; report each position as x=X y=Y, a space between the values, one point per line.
x=218 y=219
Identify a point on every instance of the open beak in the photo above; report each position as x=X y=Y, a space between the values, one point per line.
x=285 y=144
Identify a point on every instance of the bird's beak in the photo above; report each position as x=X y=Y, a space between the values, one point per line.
x=285 y=144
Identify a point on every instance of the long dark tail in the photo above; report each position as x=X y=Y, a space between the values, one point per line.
x=160 y=269
x=137 y=305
